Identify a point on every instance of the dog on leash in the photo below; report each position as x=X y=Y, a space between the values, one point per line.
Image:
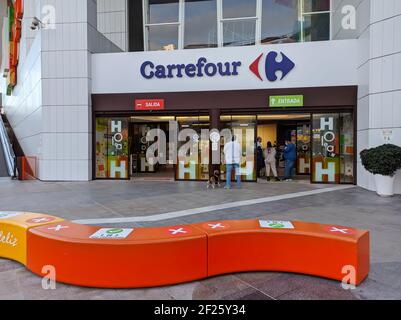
x=214 y=180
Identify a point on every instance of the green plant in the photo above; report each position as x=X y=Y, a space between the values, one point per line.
x=384 y=160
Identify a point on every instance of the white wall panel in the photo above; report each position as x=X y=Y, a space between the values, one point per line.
x=379 y=76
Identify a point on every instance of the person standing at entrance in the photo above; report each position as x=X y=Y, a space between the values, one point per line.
x=290 y=156
x=260 y=162
x=270 y=161
x=232 y=155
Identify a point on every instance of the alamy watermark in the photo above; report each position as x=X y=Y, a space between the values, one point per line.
x=49 y=280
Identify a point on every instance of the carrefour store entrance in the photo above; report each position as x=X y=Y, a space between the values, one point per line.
x=325 y=144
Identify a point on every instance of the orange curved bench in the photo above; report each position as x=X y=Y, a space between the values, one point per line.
x=298 y=247
x=147 y=257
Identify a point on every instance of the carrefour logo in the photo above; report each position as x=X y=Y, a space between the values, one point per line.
x=204 y=68
x=198 y=69
x=272 y=65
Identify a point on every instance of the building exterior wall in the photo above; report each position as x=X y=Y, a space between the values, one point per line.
x=379 y=71
x=50 y=109
x=112 y=21
x=24 y=107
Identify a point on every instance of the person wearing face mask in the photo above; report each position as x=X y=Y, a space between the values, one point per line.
x=290 y=156
x=260 y=161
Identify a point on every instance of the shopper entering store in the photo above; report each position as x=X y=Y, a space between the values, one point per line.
x=270 y=161
x=232 y=154
x=290 y=156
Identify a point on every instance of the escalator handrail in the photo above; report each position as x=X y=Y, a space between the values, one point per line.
x=7 y=147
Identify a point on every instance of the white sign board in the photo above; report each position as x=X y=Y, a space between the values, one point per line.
x=312 y=64
x=107 y=233
x=270 y=224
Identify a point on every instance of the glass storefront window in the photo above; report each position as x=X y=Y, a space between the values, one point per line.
x=162 y=37
x=239 y=8
x=244 y=128
x=347 y=147
x=316 y=27
x=280 y=22
x=193 y=158
x=188 y=24
x=303 y=149
x=316 y=5
x=162 y=24
x=333 y=148
x=112 y=159
x=326 y=148
x=200 y=24
x=101 y=147
x=162 y=11
x=239 y=33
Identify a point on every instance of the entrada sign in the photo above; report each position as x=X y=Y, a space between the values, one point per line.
x=286 y=101
x=203 y=68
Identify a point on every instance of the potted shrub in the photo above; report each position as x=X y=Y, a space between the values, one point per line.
x=383 y=162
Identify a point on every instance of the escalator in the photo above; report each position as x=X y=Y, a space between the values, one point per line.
x=7 y=155
x=3 y=166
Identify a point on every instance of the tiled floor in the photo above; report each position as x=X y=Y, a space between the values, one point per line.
x=105 y=199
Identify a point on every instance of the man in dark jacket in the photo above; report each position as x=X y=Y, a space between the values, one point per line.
x=290 y=156
x=260 y=161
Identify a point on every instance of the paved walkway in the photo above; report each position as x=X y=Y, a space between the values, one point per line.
x=117 y=199
x=135 y=202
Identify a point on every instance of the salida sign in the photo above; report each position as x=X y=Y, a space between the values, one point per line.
x=273 y=63
x=149 y=104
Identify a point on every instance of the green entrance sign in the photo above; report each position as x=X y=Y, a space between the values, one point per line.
x=286 y=101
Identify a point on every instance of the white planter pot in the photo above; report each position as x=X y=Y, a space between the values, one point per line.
x=384 y=185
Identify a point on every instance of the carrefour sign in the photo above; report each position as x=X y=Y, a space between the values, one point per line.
x=281 y=66
x=204 y=68
x=201 y=68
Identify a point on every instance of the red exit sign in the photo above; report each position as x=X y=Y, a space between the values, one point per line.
x=149 y=104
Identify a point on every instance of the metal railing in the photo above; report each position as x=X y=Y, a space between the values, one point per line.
x=7 y=148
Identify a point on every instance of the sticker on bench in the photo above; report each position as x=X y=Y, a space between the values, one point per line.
x=40 y=220
x=58 y=228
x=8 y=238
x=178 y=231
x=341 y=230
x=7 y=215
x=216 y=226
x=107 y=233
x=270 y=224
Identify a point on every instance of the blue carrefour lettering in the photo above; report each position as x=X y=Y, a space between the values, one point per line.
x=151 y=74
x=199 y=69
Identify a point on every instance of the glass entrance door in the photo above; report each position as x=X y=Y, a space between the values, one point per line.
x=193 y=148
x=244 y=128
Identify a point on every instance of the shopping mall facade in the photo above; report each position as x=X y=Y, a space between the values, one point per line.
x=97 y=76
